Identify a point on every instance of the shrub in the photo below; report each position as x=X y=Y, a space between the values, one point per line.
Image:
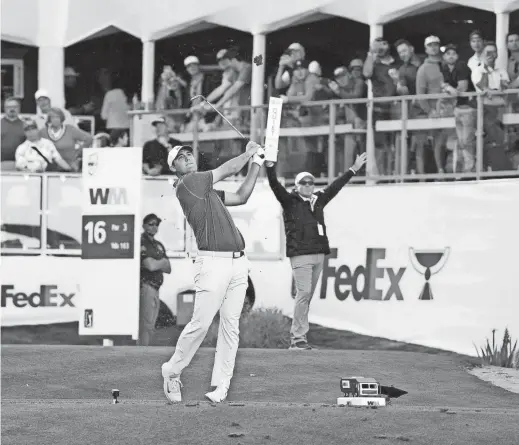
x=260 y=328
x=504 y=356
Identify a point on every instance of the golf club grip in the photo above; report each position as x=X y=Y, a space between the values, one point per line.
x=247 y=140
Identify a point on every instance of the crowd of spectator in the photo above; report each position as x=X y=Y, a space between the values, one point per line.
x=297 y=81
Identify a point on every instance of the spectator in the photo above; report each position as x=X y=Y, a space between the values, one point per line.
x=293 y=54
x=115 y=108
x=76 y=98
x=155 y=151
x=356 y=67
x=241 y=88
x=154 y=264
x=199 y=84
x=68 y=140
x=456 y=76
x=12 y=132
x=119 y=138
x=382 y=69
x=44 y=105
x=487 y=78
x=101 y=140
x=512 y=43
x=37 y=154
x=476 y=43
x=406 y=86
x=170 y=95
x=229 y=76
x=429 y=80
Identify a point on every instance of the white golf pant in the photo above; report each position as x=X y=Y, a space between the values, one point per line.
x=220 y=285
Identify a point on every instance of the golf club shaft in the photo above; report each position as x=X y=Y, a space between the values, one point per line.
x=222 y=116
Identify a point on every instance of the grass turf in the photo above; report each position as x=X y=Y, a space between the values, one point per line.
x=61 y=395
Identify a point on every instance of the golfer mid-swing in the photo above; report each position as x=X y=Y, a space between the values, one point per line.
x=306 y=239
x=221 y=267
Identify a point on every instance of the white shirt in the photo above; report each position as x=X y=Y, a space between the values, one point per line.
x=28 y=159
x=495 y=76
x=115 y=109
x=41 y=119
x=474 y=62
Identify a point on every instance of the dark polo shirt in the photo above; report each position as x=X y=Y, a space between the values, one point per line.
x=151 y=248
x=207 y=215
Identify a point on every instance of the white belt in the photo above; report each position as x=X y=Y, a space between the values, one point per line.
x=222 y=254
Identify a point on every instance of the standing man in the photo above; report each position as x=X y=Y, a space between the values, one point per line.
x=476 y=43
x=221 y=267
x=154 y=264
x=307 y=241
x=13 y=133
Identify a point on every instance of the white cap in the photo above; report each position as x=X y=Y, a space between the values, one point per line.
x=173 y=153
x=431 y=39
x=221 y=54
x=41 y=93
x=69 y=71
x=303 y=175
x=191 y=59
x=315 y=68
x=296 y=47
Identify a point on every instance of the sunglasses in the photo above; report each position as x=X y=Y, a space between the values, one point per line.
x=306 y=182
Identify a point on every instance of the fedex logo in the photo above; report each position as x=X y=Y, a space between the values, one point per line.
x=46 y=297
x=108 y=196
x=345 y=281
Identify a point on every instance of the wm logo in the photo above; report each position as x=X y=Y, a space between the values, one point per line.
x=108 y=196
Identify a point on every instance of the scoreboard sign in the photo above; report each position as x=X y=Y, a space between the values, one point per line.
x=110 y=241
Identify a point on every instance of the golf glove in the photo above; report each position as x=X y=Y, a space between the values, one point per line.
x=259 y=157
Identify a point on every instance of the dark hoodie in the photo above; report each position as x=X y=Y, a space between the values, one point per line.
x=429 y=79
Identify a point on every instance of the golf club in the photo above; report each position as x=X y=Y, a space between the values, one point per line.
x=223 y=117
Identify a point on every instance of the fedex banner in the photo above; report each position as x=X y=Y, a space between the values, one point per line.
x=432 y=264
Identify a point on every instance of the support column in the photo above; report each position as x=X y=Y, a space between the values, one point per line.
x=51 y=65
x=259 y=45
x=502 y=29
x=375 y=30
x=148 y=73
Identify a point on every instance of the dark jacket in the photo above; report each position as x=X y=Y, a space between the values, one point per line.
x=151 y=248
x=301 y=222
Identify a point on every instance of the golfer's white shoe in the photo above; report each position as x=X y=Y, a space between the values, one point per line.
x=219 y=394
x=172 y=387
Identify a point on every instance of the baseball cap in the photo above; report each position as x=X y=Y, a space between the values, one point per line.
x=431 y=39
x=191 y=59
x=158 y=120
x=41 y=93
x=222 y=54
x=301 y=64
x=69 y=71
x=476 y=33
x=296 y=47
x=315 y=68
x=173 y=153
x=151 y=217
x=303 y=175
x=449 y=47
x=29 y=124
x=356 y=63
x=340 y=71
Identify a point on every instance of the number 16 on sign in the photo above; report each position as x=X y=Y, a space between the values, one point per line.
x=108 y=237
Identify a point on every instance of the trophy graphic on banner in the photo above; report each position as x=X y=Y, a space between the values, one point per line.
x=428 y=263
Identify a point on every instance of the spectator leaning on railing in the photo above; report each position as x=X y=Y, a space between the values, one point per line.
x=37 y=154
x=155 y=151
x=490 y=79
x=456 y=75
x=198 y=84
x=69 y=140
x=12 y=132
x=382 y=69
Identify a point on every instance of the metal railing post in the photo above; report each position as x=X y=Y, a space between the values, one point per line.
x=370 y=144
x=403 y=140
x=44 y=211
x=331 y=144
x=479 y=137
